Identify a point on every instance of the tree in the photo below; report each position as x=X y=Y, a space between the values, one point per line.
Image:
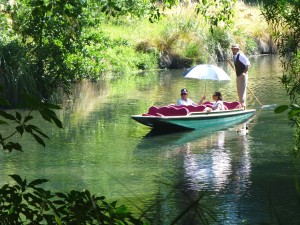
x=283 y=16
x=50 y=32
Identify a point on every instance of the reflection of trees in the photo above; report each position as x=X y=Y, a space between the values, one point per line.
x=211 y=171
x=219 y=165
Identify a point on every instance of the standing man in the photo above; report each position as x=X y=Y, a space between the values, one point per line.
x=241 y=64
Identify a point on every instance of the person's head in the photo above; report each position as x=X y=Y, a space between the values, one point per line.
x=184 y=93
x=235 y=49
x=217 y=96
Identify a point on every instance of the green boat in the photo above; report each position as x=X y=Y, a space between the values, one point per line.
x=183 y=118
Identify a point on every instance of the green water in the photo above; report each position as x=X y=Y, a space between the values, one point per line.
x=246 y=179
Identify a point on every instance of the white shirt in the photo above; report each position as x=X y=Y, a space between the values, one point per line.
x=215 y=105
x=242 y=58
x=185 y=102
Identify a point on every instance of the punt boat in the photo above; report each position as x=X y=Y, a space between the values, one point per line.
x=173 y=117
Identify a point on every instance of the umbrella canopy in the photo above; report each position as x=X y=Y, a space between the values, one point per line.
x=206 y=72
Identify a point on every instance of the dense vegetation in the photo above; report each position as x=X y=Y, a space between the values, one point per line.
x=49 y=44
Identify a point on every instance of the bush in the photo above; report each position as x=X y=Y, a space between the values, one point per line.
x=27 y=203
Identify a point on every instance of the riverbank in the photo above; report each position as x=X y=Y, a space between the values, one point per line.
x=110 y=47
x=182 y=38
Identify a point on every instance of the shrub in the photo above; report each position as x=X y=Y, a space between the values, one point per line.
x=27 y=203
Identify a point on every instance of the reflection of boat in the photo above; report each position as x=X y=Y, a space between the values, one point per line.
x=170 y=118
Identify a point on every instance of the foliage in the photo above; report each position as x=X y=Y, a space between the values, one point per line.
x=28 y=203
x=217 y=12
x=284 y=18
x=50 y=31
x=283 y=15
x=23 y=124
x=251 y=46
x=56 y=43
x=15 y=72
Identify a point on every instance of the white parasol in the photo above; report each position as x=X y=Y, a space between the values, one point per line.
x=206 y=72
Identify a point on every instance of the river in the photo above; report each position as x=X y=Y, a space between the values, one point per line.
x=241 y=178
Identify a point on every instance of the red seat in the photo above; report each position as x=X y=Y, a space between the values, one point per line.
x=232 y=105
x=208 y=104
x=152 y=111
x=198 y=108
x=172 y=111
x=192 y=108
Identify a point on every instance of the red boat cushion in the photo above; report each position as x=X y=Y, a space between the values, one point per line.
x=232 y=105
x=192 y=108
x=172 y=111
x=153 y=110
x=208 y=104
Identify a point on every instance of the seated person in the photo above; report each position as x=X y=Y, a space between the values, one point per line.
x=184 y=100
x=218 y=104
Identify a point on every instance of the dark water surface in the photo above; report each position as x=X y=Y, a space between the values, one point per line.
x=244 y=178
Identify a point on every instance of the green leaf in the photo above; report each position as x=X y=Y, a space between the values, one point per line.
x=122 y=210
x=281 y=108
x=11 y=146
x=38 y=139
x=37 y=182
x=294 y=112
x=41 y=133
x=51 y=106
x=18 y=116
x=295 y=106
x=20 y=130
x=3 y=122
x=27 y=118
x=61 y=195
x=45 y=114
x=57 y=122
x=31 y=127
x=17 y=178
x=7 y=115
x=59 y=202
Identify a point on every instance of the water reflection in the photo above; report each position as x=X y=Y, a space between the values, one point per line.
x=102 y=149
x=208 y=170
x=216 y=168
x=216 y=162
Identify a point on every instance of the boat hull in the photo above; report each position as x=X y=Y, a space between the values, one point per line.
x=199 y=120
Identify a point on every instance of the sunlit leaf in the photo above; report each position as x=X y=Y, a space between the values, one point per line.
x=122 y=210
x=294 y=112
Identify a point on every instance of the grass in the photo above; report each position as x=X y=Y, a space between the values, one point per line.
x=126 y=45
x=182 y=32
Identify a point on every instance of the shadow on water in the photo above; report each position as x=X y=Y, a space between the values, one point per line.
x=158 y=138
